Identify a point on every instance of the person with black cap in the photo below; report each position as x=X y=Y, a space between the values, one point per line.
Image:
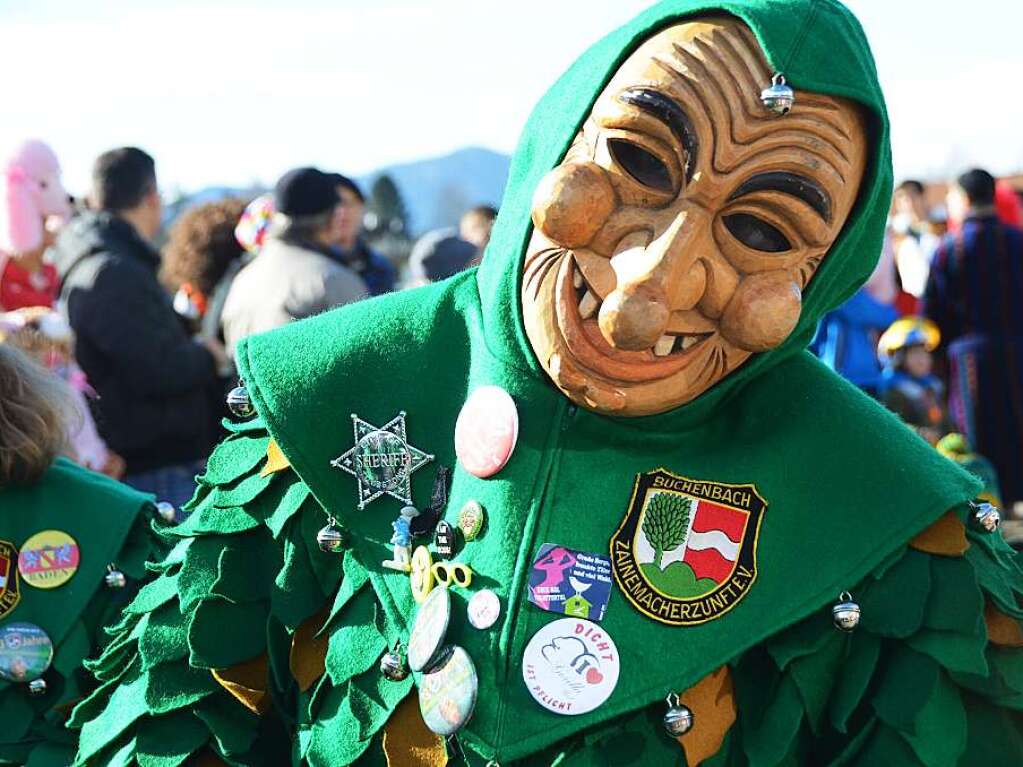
x=295 y=275
x=350 y=249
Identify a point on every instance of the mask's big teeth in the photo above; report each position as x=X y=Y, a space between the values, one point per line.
x=577 y=279
x=588 y=305
x=664 y=345
x=689 y=341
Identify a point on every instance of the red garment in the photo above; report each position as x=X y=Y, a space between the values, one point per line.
x=20 y=288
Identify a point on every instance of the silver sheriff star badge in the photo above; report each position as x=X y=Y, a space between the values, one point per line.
x=382 y=460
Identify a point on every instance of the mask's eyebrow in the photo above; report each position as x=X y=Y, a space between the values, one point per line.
x=801 y=187
x=669 y=112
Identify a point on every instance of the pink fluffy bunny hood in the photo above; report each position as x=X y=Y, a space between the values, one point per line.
x=30 y=191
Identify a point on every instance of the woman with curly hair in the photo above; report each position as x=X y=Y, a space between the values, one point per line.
x=73 y=545
x=200 y=260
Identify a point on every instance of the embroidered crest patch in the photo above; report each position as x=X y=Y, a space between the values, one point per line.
x=10 y=594
x=686 y=551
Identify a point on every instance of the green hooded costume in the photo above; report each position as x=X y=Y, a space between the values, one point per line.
x=111 y=524
x=247 y=595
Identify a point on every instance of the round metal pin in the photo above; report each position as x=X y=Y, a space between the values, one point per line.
x=447 y=693
x=484 y=609
x=26 y=652
x=471 y=519
x=486 y=431
x=48 y=559
x=430 y=628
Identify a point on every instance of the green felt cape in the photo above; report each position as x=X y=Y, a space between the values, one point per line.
x=111 y=524
x=847 y=486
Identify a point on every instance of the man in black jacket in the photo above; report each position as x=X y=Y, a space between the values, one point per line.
x=153 y=380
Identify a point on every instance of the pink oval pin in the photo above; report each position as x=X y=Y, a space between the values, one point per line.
x=486 y=431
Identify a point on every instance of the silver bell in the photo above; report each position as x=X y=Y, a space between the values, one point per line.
x=678 y=719
x=166 y=511
x=985 y=517
x=37 y=687
x=239 y=404
x=392 y=665
x=779 y=97
x=114 y=578
x=331 y=538
x=846 y=613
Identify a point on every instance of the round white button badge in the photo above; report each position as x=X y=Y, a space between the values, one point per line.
x=571 y=666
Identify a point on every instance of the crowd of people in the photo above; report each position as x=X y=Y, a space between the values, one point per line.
x=146 y=336
x=937 y=332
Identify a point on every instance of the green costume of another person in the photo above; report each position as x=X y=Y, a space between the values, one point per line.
x=70 y=543
x=257 y=647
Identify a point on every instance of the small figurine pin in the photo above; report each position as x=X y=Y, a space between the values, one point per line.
x=402 y=540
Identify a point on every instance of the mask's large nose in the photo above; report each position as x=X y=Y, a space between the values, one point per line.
x=654 y=280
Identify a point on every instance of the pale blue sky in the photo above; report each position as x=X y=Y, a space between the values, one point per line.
x=232 y=92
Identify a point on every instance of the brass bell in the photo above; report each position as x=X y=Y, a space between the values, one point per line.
x=678 y=719
x=846 y=613
x=331 y=538
x=238 y=402
x=37 y=687
x=985 y=517
x=393 y=666
x=114 y=578
x=166 y=511
x=779 y=97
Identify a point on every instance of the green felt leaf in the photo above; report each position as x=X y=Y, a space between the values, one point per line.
x=354 y=578
x=885 y=747
x=199 y=570
x=175 y=685
x=854 y=746
x=251 y=426
x=805 y=638
x=125 y=704
x=235 y=456
x=278 y=647
x=767 y=743
x=998 y=572
x=324 y=748
x=174 y=557
x=1007 y=665
x=168 y=740
x=119 y=653
x=296 y=593
x=894 y=607
x=222 y=634
x=241 y=492
x=232 y=726
x=938 y=734
x=208 y=519
x=907 y=679
x=955 y=602
x=355 y=643
x=123 y=756
x=296 y=494
x=246 y=568
x=851 y=685
x=994 y=736
x=956 y=652
x=154 y=594
x=164 y=639
x=816 y=674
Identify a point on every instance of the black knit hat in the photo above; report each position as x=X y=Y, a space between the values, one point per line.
x=305 y=192
x=344 y=182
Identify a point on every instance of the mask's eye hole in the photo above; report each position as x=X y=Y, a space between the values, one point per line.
x=640 y=164
x=756 y=233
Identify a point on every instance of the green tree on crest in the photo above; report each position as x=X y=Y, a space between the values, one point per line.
x=665 y=523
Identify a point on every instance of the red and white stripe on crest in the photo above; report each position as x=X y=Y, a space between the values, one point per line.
x=714 y=540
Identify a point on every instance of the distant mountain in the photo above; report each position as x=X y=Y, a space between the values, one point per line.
x=438 y=190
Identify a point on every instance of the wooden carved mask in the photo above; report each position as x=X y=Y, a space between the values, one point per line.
x=677 y=235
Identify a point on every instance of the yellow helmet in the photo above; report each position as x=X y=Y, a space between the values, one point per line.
x=906 y=332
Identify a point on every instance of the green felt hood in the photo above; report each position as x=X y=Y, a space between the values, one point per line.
x=820 y=47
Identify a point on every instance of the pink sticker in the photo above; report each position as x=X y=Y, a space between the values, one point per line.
x=486 y=431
